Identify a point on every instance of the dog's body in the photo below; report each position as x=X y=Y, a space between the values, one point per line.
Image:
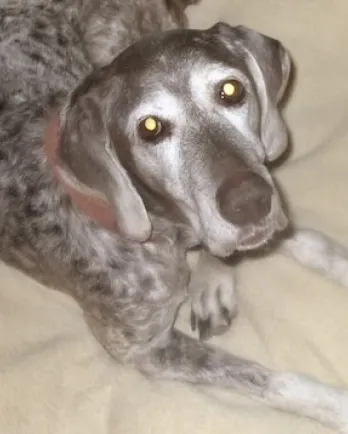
x=168 y=195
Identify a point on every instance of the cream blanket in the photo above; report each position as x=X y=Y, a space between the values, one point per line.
x=54 y=377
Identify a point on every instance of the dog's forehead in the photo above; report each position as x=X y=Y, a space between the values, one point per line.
x=175 y=52
x=177 y=60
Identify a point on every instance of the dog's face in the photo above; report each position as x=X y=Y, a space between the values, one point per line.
x=193 y=116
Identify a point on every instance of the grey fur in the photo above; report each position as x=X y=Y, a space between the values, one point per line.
x=55 y=55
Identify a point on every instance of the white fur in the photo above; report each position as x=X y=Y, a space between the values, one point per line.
x=167 y=108
x=310 y=398
x=161 y=104
x=212 y=287
x=204 y=85
x=316 y=251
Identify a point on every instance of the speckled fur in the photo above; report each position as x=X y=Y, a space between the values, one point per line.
x=129 y=292
x=44 y=53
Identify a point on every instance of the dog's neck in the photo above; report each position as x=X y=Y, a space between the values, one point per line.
x=85 y=200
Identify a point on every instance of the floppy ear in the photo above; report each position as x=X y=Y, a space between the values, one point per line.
x=88 y=154
x=177 y=9
x=270 y=67
x=272 y=59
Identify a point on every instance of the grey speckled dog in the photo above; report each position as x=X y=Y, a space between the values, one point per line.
x=115 y=161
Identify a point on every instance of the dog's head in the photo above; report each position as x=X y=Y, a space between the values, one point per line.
x=191 y=117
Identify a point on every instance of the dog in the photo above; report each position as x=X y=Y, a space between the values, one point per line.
x=315 y=250
x=126 y=140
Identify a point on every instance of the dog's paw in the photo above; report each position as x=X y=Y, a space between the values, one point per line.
x=214 y=304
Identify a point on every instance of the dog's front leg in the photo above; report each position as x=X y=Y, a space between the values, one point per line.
x=213 y=296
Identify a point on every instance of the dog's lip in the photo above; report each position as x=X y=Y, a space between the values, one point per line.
x=257 y=236
x=248 y=238
x=255 y=239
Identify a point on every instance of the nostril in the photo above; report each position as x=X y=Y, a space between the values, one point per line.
x=245 y=202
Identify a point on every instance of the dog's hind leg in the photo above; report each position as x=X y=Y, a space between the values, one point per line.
x=188 y=360
x=142 y=335
x=317 y=251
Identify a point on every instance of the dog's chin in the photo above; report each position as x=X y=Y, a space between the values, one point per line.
x=221 y=248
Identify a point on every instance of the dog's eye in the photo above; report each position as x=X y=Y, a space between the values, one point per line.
x=231 y=91
x=150 y=128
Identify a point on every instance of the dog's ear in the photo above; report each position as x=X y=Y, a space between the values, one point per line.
x=182 y=4
x=177 y=9
x=272 y=59
x=87 y=153
x=270 y=66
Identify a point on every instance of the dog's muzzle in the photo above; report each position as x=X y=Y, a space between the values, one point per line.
x=248 y=202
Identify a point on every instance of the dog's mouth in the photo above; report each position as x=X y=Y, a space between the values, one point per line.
x=250 y=237
x=254 y=237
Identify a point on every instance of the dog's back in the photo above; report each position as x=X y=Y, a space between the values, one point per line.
x=42 y=54
x=46 y=48
x=42 y=58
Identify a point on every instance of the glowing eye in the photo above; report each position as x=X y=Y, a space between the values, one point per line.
x=150 y=124
x=150 y=128
x=231 y=91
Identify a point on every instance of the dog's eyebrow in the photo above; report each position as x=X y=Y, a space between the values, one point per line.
x=161 y=103
x=215 y=72
x=202 y=76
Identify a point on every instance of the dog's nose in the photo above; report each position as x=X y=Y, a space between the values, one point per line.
x=245 y=198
